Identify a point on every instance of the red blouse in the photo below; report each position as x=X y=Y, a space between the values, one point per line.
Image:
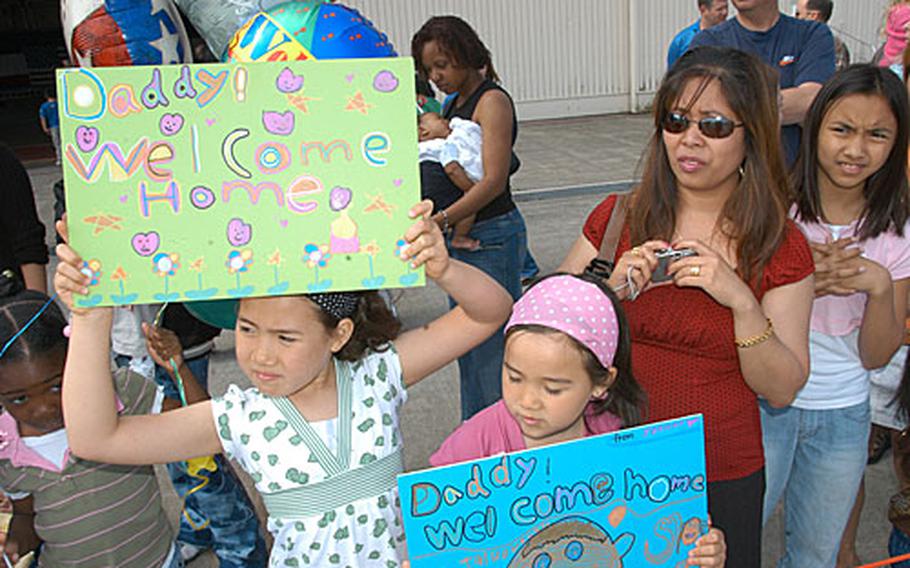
x=685 y=359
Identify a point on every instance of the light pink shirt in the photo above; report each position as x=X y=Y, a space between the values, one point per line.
x=840 y=315
x=493 y=431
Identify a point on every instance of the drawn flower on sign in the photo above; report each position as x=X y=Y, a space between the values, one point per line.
x=400 y=246
x=164 y=264
x=239 y=261
x=92 y=269
x=371 y=249
x=317 y=256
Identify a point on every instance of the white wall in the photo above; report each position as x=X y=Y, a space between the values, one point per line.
x=563 y=58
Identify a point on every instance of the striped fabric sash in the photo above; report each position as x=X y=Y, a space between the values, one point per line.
x=333 y=464
x=370 y=480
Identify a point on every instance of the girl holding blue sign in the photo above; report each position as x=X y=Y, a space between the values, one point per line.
x=319 y=434
x=566 y=374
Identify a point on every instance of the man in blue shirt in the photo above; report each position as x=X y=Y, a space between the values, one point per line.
x=50 y=121
x=802 y=52
x=713 y=12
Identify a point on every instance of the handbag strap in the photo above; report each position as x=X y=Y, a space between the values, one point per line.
x=613 y=232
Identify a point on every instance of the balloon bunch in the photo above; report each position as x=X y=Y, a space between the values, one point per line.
x=150 y=32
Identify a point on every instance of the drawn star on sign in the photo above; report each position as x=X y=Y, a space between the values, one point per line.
x=104 y=222
x=358 y=104
x=300 y=101
x=378 y=203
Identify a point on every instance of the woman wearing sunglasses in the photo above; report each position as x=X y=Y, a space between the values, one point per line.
x=731 y=322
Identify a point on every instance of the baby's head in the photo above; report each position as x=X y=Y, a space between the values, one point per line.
x=32 y=361
x=567 y=345
x=284 y=343
x=431 y=125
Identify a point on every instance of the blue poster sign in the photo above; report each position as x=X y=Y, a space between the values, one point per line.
x=635 y=497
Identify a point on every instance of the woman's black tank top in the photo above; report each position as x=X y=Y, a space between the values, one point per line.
x=503 y=202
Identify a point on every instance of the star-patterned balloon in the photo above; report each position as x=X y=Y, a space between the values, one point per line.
x=102 y=33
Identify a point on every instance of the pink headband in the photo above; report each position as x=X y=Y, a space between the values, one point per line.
x=577 y=308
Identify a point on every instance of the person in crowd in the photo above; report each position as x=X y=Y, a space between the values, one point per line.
x=564 y=377
x=318 y=432
x=50 y=121
x=449 y=52
x=897 y=24
x=821 y=11
x=899 y=504
x=73 y=512
x=853 y=204
x=217 y=512
x=22 y=246
x=801 y=51
x=727 y=321
x=712 y=13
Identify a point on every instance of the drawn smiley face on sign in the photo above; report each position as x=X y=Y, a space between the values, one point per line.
x=87 y=138
x=239 y=233
x=146 y=244
x=170 y=124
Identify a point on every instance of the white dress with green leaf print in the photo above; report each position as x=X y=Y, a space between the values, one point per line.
x=265 y=436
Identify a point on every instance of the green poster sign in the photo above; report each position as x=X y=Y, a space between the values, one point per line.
x=194 y=182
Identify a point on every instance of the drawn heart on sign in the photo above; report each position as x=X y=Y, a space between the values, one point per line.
x=209 y=121
x=398 y=182
x=288 y=82
x=239 y=233
x=87 y=138
x=283 y=223
x=340 y=198
x=280 y=123
x=385 y=82
x=170 y=124
x=349 y=78
x=123 y=198
x=145 y=244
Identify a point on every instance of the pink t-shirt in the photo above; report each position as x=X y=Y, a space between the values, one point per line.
x=493 y=431
x=896 y=32
x=840 y=315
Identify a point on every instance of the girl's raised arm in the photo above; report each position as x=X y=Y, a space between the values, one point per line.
x=483 y=305
x=93 y=426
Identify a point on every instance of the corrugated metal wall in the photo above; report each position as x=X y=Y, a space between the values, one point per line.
x=575 y=57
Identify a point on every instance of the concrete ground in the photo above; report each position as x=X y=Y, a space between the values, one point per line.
x=584 y=158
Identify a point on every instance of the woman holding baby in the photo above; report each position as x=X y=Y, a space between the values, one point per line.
x=449 y=53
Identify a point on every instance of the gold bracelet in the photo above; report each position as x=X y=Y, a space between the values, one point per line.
x=756 y=339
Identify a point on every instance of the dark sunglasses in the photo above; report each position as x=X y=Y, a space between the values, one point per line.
x=711 y=126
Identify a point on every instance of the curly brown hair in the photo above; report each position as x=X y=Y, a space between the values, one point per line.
x=458 y=40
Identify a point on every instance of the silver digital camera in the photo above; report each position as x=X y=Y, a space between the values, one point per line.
x=665 y=258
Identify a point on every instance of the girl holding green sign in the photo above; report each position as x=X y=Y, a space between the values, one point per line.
x=319 y=432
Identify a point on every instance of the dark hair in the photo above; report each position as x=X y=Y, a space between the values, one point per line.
x=44 y=335
x=823 y=7
x=456 y=38
x=755 y=216
x=706 y=4
x=886 y=191
x=625 y=398
x=375 y=326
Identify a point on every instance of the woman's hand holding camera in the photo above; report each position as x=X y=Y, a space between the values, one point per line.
x=713 y=274
x=634 y=268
